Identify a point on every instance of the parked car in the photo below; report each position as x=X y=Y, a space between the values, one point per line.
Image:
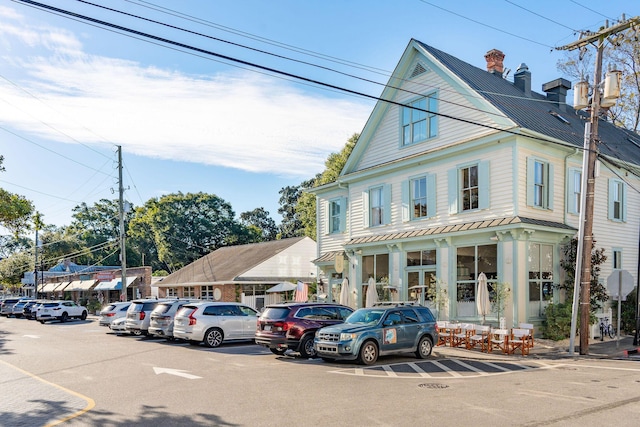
x=162 y=316
x=113 y=311
x=60 y=310
x=29 y=309
x=293 y=325
x=6 y=307
x=214 y=322
x=139 y=315
x=379 y=330
x=119 y=326
x=18 y=308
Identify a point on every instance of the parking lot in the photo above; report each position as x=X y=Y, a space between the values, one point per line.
x=79 y=374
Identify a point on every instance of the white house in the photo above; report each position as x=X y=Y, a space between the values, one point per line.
x=482 y=175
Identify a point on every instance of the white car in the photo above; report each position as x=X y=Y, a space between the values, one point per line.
x=60 y=310
x=214 y=322
x=118 y=326
x=113 y=311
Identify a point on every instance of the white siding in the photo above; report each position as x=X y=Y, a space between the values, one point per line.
x=295 y=261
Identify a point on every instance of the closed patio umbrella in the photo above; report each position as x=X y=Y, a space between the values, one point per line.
x=372 y=293
x=482 y=297
x=282 y=287
x=344 y=292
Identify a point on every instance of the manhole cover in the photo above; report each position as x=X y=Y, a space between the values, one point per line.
x=433 y=385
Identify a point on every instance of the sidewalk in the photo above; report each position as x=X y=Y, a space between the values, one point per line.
x=607 y=349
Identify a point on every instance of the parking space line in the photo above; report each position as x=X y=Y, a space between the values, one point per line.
x=446 y=369
x=90 y=402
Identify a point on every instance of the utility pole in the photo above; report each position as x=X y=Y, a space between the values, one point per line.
x=123 y=250
x=583 y=273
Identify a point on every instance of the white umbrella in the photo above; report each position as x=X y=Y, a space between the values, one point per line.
x=344 y=292
x=482 y=297
x=372 y=293
x=283 y=287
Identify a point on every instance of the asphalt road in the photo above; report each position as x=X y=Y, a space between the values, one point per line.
x=77 y=374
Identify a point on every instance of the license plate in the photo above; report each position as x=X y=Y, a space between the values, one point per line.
x=267 y=327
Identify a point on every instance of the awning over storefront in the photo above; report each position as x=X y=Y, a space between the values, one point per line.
x=50 y=287
x=81 y=285
x=115 y=284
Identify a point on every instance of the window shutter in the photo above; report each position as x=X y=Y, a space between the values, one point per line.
x=624 y=201
x=612 y=184
x=549 y=186
x=386 y=194
x=530 y=180
x=326 y=223
x=406 y=200
x=366 y=209
x=452 y=177
x=431 y=195
x=483 y=184
x=343 y=214
x=571 y=190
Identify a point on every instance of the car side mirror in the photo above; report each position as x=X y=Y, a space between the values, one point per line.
x=387 y=322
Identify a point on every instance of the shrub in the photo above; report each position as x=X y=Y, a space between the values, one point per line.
x=557 y=325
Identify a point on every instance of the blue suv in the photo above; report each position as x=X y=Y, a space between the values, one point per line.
x=386 y=328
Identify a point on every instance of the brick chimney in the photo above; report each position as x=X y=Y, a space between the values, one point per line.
x=494 y=60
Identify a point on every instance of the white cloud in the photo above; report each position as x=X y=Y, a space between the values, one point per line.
x=241 y=120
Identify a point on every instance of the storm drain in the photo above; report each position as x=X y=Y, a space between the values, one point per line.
x=432 y=385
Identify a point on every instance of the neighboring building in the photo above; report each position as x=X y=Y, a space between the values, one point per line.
x=244 y=272
x=484 y=177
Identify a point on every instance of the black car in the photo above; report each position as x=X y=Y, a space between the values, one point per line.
x=292 y=326
x=29 y=309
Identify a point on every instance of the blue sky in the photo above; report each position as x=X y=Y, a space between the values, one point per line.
x=71 y=92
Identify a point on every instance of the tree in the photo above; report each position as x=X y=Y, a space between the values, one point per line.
x=261 y=223
x=291 y=226
x=13 y=267
x=183 y=227
x=623 y=54
x=15 y=210
x=598 y=292
x=305 y=207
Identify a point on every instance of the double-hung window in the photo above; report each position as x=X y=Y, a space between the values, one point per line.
x=377 y=208
x=574 y=184
x=419 y=197
x=469 y=187
x=376 y=197
x=419 y=121
x=617 y=200
x=539 y=183
x=336 y=215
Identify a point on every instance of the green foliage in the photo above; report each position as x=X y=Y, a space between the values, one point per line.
x=557 y=323
x=15 y=212
x=260 y=225
x=598 y=292
x=305 y=207
x=498 y=295
x=627 y=314
x=13 y=267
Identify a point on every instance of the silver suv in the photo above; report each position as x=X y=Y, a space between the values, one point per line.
x=214 y=322
x=139 y=315
x=162 y=317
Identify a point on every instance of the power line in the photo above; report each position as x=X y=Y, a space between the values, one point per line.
x=592 y=10
x=541 y=16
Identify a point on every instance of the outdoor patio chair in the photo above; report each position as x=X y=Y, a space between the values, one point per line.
x=528 y=326
x=462 y=335
x=446 y=331
x=520 y=339
x=499 y=339
x=479 y=337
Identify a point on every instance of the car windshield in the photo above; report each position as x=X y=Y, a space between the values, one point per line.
x=366 y=316
x=186 y=310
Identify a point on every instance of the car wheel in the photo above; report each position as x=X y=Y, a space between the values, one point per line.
x=64 y=317
x=277 y=351
x=136 y=332
x=213 y=338
x=424 y=348
x=42 y=321
x=83 y=316
x=306 y=347
x=368 y=353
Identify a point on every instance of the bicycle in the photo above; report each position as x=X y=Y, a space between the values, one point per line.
x=606 y=328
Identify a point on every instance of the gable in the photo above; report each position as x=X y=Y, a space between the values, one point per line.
x=419 y=74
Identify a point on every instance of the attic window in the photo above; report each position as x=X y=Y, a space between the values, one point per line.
x=419 y=69
x=559 y=117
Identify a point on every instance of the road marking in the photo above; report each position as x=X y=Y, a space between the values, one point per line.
x=176 y=372
x=32 y=336
x=90 y=402
x=443 y=369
